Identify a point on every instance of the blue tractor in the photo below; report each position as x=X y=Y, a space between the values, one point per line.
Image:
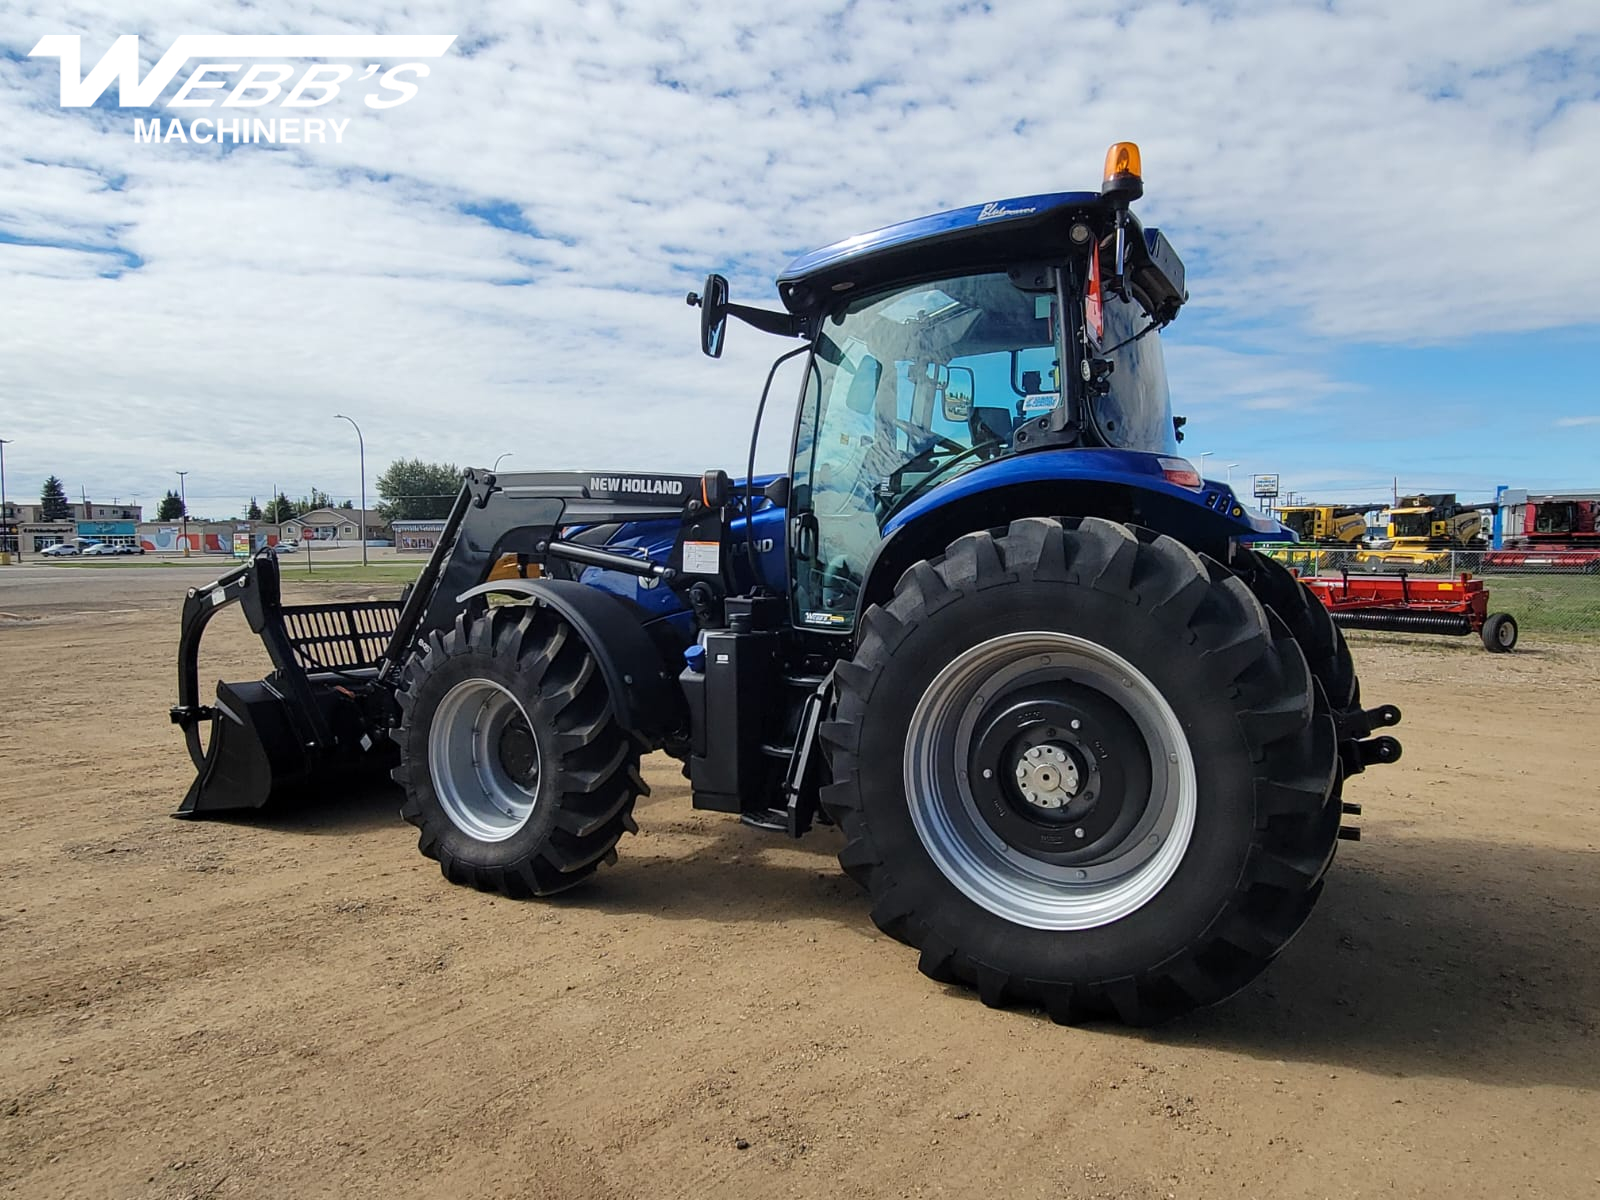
x=1085 y=747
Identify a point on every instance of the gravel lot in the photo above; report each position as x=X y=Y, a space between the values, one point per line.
x=299 y=1005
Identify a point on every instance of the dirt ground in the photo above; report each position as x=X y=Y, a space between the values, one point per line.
x=301 y=1006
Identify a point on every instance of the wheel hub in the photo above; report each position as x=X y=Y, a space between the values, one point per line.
x=1047 y=776
x=519 y=754
x=1058 y=771
x=483 y=760
x=1050 y=780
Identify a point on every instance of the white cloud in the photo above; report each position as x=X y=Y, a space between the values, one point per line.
x=1368 y=171
x=1569 y=422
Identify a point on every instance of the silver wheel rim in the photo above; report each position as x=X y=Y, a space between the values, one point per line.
x=1001 y=878
x=475 y=789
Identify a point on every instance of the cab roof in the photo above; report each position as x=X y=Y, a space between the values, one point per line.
x=1024 y=228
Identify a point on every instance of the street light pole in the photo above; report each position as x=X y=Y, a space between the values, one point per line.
x=361 y=446
x=183 y=515
x=1231 y=466
x=503 y=454
x=4 y=510
x=1204 y=454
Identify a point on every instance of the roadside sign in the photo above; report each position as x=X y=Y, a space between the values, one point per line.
x=1266 y=487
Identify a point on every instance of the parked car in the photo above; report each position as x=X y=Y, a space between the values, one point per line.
x=285 y=547
x=130 y=549
x=99 y=548
x=59 y=550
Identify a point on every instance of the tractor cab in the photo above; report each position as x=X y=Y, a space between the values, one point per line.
x=955 y=343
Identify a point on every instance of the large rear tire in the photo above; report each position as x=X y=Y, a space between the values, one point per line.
x=1309 y=622
x=1083 y=676
x=514 y=767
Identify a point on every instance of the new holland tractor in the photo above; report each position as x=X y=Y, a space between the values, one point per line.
x=1084 y=748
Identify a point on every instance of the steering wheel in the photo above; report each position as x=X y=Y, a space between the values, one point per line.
x=940 y=442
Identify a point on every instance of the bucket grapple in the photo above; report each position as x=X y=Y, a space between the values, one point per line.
x=312 y=723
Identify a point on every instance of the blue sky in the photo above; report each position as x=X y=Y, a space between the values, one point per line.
x=1387 y=211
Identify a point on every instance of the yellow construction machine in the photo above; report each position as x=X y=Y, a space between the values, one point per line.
x=1426 y=531
x=1322 y=528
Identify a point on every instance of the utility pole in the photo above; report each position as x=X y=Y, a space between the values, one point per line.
x=5 y=512
x=361 y=446
x=183 y=504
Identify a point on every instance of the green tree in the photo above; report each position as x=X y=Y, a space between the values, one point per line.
x=171 y=508
x=347 y=504
x=413 y=490
x=280 y=510
x=317 y=499
x=53 y=501
x=253 y=513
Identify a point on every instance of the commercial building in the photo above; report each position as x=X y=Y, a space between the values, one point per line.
x=208 y=537
x=87 y=522
x=417 y=537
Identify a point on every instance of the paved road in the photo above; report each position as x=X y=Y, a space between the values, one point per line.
x=36 y=589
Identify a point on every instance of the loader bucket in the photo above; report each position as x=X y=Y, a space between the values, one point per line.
x=254 y=755
x=313 y=727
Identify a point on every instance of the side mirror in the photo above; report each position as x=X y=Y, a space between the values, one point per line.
x=863 y=394
x=960 y=386
x=713 y=304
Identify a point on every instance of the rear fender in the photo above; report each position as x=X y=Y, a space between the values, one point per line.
x=644 y=692
x=1125 y=486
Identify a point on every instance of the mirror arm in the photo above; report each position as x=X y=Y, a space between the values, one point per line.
x=782 y=323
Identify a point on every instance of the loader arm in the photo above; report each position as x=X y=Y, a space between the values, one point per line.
x=324 y=714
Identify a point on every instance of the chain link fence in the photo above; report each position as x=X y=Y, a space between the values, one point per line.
x=1554 y=595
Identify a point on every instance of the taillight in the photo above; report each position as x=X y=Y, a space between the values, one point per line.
x=1181 y=472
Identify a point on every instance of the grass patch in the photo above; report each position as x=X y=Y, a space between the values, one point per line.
x=1563 y=604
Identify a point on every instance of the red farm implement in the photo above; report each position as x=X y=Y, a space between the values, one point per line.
x=1561 y=562
x=1453 y=607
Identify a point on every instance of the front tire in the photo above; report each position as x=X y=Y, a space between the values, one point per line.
x=514 y=767
x=1176 y=725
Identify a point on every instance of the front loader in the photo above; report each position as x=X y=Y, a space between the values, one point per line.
x=1084 y=746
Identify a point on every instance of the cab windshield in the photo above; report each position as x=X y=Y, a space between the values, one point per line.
x=1304 y=524
x=1413 y=524
x=915 y=386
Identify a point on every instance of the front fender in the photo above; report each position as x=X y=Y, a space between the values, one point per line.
x=644 y=693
